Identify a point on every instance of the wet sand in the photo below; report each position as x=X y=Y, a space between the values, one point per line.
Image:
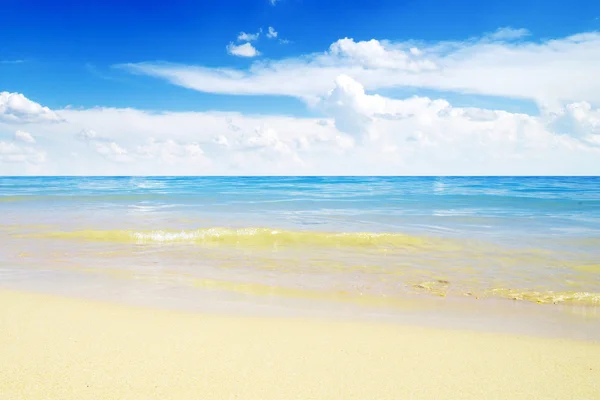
x=55 y=347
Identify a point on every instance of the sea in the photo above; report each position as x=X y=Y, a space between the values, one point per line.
x=493 y=253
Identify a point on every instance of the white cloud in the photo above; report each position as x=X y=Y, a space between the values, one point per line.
x=25 y=137
x=111 y=151
x=508 y=33
x=248 y=37
x=272 y=33
x=578 y=120
x=104 y=146
x=170 y=151
x=242 y=50
x=373 y=54
x=12 y=152
x=361 y=134
x=16 y=108
x=267 y=140
x=421 y=134
x=21 y=151
x=274 y=2
x=552 y=72
x=221 y=140
x=87 y=134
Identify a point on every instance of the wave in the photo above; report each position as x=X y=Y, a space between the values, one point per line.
x=258 y=237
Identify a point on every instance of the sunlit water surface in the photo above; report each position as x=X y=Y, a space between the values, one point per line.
x=476 y=250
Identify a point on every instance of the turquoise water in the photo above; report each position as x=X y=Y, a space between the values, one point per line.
x=374 y=241
x=527 y=206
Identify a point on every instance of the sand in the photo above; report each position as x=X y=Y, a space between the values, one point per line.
x=61 y=348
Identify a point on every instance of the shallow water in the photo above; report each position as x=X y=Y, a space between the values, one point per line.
x=373 y=243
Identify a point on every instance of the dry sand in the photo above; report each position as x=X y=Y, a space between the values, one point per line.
x=59 y=348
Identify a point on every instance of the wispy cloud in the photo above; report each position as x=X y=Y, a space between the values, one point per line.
x=92 y=69
x=549 y=72
x=508 y=33
x=12 y=61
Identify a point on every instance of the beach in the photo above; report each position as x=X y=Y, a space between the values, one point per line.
x=54 y=347
x=299 y=288
x=278 y=200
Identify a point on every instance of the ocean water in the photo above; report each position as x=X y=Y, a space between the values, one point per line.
x=377 y=242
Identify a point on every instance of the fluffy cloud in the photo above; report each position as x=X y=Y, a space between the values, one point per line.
x=421 y=134
x=242 y=50
x=16 y=108
x=552 y=72
x=24 y=137
x=272 y=33
x=362 y=134
x=579 y=120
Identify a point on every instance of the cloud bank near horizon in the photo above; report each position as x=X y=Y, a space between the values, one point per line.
x=363 y=134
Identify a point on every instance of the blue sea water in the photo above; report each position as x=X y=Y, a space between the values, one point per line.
x=533 y=239
x=492 y=206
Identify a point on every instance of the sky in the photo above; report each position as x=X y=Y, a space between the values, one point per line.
x=299 y=87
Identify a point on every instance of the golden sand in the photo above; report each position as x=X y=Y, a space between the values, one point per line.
x=59 y=348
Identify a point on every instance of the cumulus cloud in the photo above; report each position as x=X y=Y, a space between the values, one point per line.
x=272 y=33
x=16 y=108
x=419 y=128
x=22 y=136
x=578 y=120
x=242 y=50
x=552 y=72
x=360 y=133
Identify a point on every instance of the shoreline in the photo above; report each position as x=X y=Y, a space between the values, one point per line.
x=492 y=315
x=60 y=347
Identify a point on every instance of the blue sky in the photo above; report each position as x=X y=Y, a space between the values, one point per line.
x=68 y=47
x=501 y=71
